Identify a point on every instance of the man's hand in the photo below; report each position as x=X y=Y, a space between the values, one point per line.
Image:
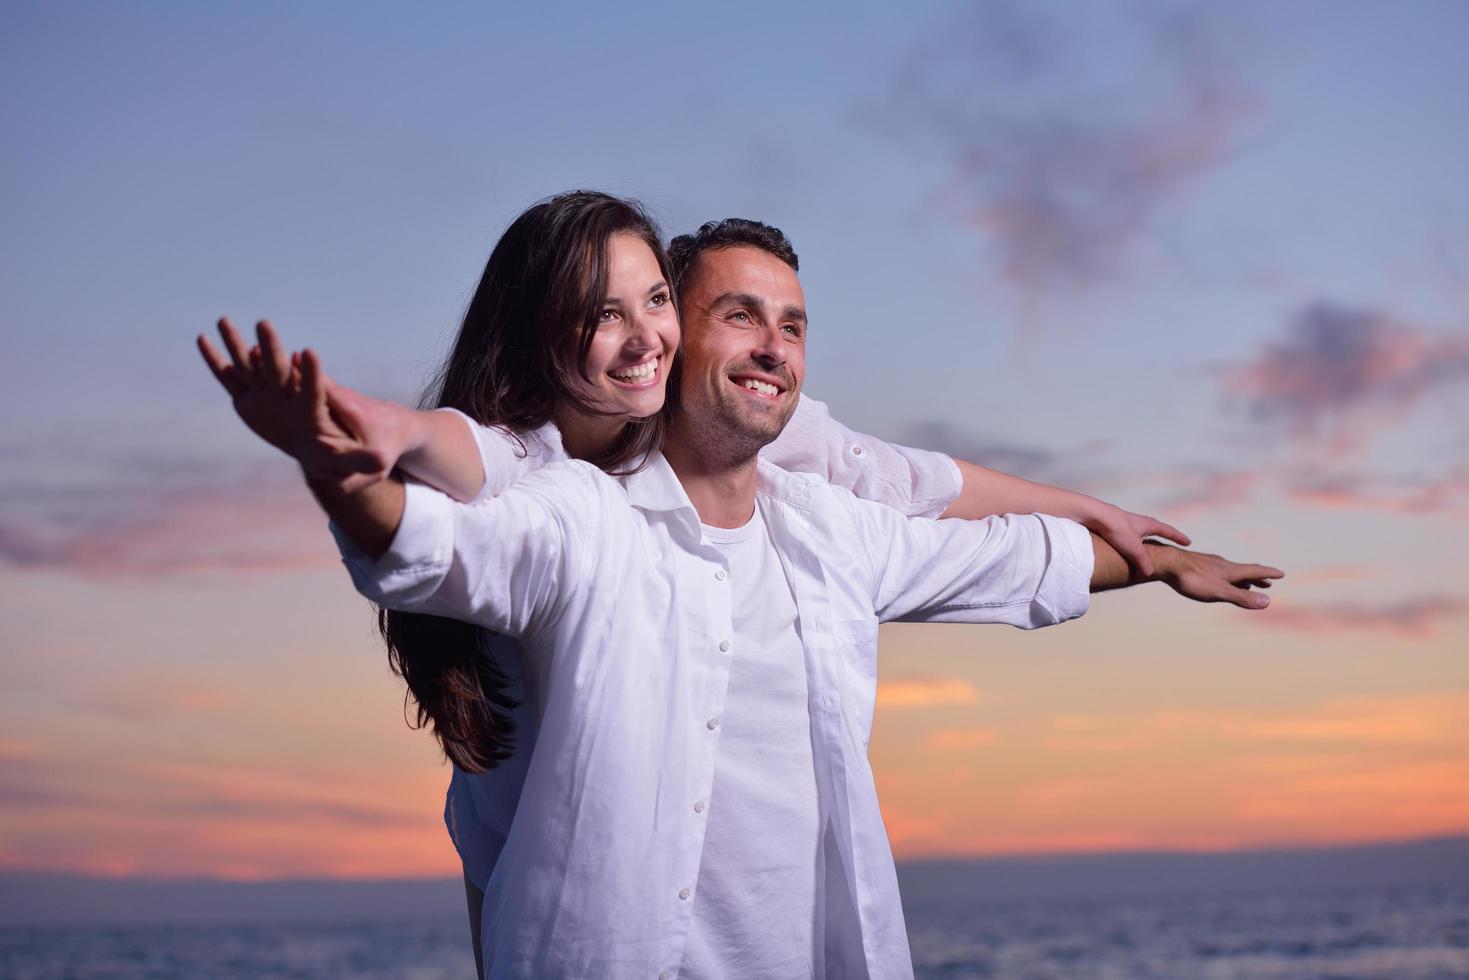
x=1209 y=578
x=1192 y=574
x=284 y=401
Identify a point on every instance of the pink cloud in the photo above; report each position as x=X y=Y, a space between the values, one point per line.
x=1196 y=491
x=963 y=738
x=1409 y=618
x=1340 y=375
x=183 y=526
x=924 y=692
x=1062 y=186
x=1434 y=496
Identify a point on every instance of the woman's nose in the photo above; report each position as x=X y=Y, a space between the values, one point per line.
x=643 y=335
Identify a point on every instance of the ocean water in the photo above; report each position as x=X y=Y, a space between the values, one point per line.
x=1382 y=933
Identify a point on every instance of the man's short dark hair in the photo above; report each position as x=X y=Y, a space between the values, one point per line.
x=684 y=250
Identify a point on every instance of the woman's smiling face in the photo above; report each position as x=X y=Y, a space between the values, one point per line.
x=637 y=334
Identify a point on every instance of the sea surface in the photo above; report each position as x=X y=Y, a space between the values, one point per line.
x=1381 y=933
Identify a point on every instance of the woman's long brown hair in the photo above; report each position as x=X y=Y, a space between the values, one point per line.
x=528 y=328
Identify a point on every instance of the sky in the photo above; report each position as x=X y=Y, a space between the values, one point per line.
x=1209 y=264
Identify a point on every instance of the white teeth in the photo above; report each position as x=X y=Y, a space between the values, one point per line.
x=760 y=386
x=638 y=372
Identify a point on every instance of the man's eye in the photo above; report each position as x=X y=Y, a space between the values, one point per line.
x=793 y=329
x=740 y=315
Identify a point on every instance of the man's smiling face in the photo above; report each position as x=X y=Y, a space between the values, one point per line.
x=744 y=348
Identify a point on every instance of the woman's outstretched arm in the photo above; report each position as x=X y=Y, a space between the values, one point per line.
x=283 y=400
x=921 y=483
x=365 y=437
x=988 y=492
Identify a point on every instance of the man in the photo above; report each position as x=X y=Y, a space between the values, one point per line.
x=701 y=647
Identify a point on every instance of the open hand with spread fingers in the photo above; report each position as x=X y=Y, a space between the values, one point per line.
x=283 y=399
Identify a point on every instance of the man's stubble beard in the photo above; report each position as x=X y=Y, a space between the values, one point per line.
x=727 y=432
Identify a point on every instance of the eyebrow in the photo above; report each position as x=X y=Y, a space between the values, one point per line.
x=748 y=299
x=659 y=286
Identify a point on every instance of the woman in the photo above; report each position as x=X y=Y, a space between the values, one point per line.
x=565 y=349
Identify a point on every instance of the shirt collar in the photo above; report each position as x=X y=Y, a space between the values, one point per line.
x=656 y=489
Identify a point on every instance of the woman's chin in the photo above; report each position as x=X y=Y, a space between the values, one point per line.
x=639 y=405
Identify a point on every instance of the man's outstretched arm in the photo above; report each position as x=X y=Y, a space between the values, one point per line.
x=1192 y=574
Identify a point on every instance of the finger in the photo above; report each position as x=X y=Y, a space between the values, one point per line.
x=224 y=373
x=312 y=380
x=346 y=406
x=235 y=346
x=1135 y=554
x=1240 y=572
x=358 y=481
x=1167 y=531
x=259 y=376
x=277 y=365
x=359 y=461
x=1246 y=599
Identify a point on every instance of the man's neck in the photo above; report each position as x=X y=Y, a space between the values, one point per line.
x=722 y=490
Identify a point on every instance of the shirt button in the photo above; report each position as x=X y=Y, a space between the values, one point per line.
x=712 y=724
x=723 y=646
x=856 y=450
x=663 y=975
x=719 y=575
x=699 y=806
x=683 y=894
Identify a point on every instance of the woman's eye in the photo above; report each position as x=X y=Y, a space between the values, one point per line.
x=607 y=316
x=659 y=299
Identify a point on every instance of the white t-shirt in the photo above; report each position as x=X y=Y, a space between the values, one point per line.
x=755 y=902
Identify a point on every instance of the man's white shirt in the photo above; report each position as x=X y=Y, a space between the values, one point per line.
x=756 y=901
x=626 y=620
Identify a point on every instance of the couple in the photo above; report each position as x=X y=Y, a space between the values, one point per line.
x=667 y=775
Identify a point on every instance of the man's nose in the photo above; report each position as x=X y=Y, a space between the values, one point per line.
x=769 y=347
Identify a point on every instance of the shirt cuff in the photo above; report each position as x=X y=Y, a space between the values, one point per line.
x=419 y=555
x=476 y=432
x=1066 y=588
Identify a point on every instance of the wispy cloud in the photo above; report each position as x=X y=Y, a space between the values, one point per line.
x=146 y=698
x=1061 y=161
x=1030 y=462
x=1332 y=573
x=1340 y=375
x=1435 y=495
x=924 y=692
x=1362 y=722
x=1186 y=491
x=102 y=515
x=963 y=738
x=56 y=782
x=1412 y=618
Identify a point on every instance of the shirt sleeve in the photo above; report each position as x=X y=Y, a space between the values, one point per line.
x=1027 y=570
x=914 y=481
x=506 y=564
x=507 y=457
